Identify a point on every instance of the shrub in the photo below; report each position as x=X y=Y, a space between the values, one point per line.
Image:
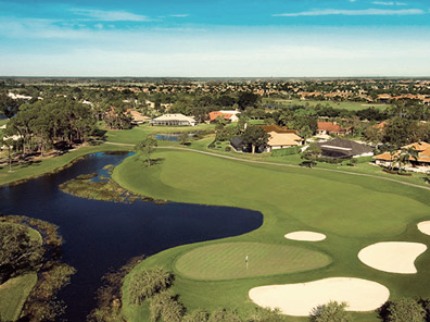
x=331 y=312
x=284 y=152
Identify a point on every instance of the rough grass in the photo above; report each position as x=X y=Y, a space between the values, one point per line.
x=14 y=292
x=353 y=211
x=27 y=171
x=13 y=295
x=347 y=105
x=243 y=260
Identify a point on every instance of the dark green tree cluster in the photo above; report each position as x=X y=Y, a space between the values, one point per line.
x=146 y=284
x=331 y=312
x=146 y=147
x=153 y=287
x=255 y=136
x=8 y=106
x=19 y=253
x=405 y=310
x=44 y=124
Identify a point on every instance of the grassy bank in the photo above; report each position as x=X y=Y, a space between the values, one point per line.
x=353 y=211
x=13 y=295
x=14 y=292
x=27 y=171
x=347 y=105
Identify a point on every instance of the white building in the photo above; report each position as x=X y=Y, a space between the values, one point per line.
x=173 y=120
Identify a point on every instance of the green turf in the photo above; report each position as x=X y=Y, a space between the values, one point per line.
x=353 y=211
x=347 y=105
x=14 y=292
x=13 y=295
x=34 y=234
x=27 y=171
x=243 y=260
x=138 y=133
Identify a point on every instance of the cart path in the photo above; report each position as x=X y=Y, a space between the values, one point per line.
x=213 y=154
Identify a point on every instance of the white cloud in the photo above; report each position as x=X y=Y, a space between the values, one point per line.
x=389 y=3
x=102 y=15
x=364 y=12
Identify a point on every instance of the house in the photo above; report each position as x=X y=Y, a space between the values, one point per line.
x=344 y=149
x=420 y=164
x=329 y=128
x=277 y=129
x=173 y=120
x=282 y=140
x=231 y=116
x=238 y=144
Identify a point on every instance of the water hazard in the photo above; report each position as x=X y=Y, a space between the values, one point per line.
x=100 y=235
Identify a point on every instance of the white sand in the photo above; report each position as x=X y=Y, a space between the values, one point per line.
x=392 y=257
x=424 y=227
x=300 y=299
x=305 y=236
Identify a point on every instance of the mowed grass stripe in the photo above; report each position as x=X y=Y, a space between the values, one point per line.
x=228 y=261
x=13 y=295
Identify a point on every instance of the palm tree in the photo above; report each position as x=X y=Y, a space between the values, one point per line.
x=405 y=155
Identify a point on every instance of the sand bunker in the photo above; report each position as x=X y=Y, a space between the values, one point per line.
x=424 y=227
x=305 y=236
x=392 y=257
x=300 y=299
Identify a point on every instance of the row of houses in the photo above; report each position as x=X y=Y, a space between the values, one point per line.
x=420 y=162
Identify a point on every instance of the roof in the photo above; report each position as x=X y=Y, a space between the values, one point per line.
x=277 y=129
x=329 y=127
x=174 y=117
x=423 y=149
x=419 y=146
x=138 y=117
x=222 y=113
x=344 y=146
x=283 y=139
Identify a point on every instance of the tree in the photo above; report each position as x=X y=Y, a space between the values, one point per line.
x=247 y=99
x=372 y=134
x=255 y=136
x=184 y=139
x=224 y=315
x=331 y=312
x=196 y=316
x=146 y=147
x=8 y=143
x=404 y=310
x=18 y=251
x=399 y=132
x=145 y=284
x=312 y=152
x=404 y=156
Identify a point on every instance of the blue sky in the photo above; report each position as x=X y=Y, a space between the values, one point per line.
x=219 y=38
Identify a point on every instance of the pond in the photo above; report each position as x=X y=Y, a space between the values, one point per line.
x=100 y=236
x=167 y=137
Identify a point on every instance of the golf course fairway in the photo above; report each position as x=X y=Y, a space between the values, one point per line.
x=352 y=211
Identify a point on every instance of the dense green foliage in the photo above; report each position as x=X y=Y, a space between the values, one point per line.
x=331 y=312
x=40 y=299
x=146 y=147
x=46 y=124
x=19 y=252
x=403 y=310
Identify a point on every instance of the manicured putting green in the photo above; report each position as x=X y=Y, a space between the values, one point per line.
x=242 y=260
